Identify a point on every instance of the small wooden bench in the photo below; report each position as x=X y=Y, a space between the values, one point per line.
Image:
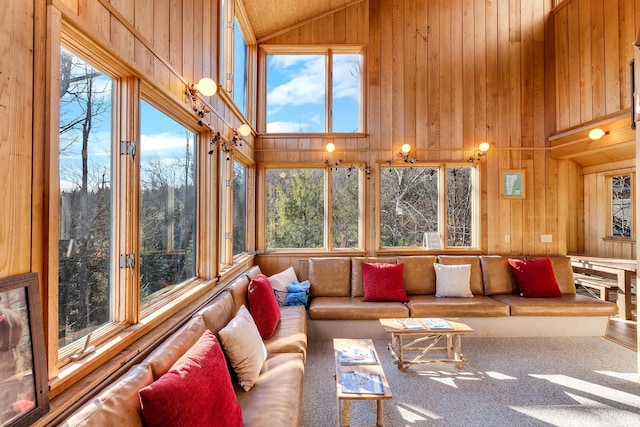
x=601 y=284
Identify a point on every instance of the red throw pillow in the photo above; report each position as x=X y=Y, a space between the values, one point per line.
x=197 y=390
x=383 y=282
x=263 y=306
x=535 y=277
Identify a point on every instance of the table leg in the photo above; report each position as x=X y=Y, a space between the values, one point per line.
x=380 y=418
x=345 y=412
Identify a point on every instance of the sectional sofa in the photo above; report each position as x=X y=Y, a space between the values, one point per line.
x=496 y=308
x=274 y=399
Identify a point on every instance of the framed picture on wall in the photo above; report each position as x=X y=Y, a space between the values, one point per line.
x=512 y=184
x=24 y=392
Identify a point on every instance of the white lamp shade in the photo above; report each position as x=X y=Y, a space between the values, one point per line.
x=484 y=147
x=207 y=86
x=596 y=133
x=244 y=129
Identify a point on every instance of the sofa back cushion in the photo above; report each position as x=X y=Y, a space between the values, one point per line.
x=118 y=404
x=419 y=274
x=167 y=353
x=219 y=312
x=476 y=272
x=496 y=275
x=564 y=274
x=357 y=288
x=238 y=289
x=330 y=277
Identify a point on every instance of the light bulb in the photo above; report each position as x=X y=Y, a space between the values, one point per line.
x=244 y=129
x=207 y=86
x=484 y=147
x=596 y=133
x=405 y=148
x=331 y=147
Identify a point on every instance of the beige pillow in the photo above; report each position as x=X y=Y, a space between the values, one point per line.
x=244 y=347
x=453 y=280
x=280 y=281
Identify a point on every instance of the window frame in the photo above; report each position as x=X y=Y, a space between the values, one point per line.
x=328 y=208
x=476 y=233
x=327 y=51
x=609 y=230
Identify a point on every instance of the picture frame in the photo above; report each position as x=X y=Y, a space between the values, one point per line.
x=24 y=390
x=512 y=184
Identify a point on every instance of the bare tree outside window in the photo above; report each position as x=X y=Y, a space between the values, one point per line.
x=621 y=206
x=459 y=206
x=84 y=285
x=345 y=207
x=239 y=208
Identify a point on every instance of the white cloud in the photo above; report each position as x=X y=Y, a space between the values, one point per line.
x=346 y=84
x=165 y=141
x=285 y=127
x=305 y=84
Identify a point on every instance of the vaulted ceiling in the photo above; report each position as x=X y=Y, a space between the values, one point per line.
x=271 y=16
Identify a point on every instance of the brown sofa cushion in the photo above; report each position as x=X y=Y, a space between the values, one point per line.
x=419 y=275
x=565 y=305
x=329 y=277
x=357 y=288
x=478 y=306
x=290 y=335
x=476 y=271
x=118 y=404
x=163 y=357
x=276 y=397
x=345 y=308
x=496 y=275
x=238 y=289
x=219 y=312
x=564 y=274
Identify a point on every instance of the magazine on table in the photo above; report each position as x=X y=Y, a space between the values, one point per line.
x=356 y=356
x=437 y=323
x=357 y=382
x=410 y=323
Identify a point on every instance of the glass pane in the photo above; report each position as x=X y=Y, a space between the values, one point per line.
x=408 y=205
x=345 y=208
x=295 y=208
x=223 y=162
x=296 y=93
x=459 y=206
x=239 y=69
x=239 y=208
x=621 y=206
x=346 y=93
x=167 y=203
x=84 y=282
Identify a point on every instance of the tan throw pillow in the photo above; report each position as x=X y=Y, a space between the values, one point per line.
x=244 y=347
x=453 y=280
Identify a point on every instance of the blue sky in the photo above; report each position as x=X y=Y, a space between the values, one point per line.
x=296 y=93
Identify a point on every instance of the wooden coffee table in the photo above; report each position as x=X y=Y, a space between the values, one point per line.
x=355 y=376
x=425 y=341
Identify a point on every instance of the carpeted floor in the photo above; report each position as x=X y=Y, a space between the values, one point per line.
x=585 y=381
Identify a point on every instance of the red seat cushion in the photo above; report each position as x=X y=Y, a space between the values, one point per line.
x=263 y=306
x=535 y=277
x=197 y=390
x=383 y=282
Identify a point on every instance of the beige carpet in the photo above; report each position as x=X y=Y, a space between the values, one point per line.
x=584 y=381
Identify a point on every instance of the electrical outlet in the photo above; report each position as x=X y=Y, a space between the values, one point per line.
x=546 y=238
x=507 y=238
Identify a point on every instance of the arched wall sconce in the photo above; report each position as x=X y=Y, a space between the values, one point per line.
x=239 y=134
x=405 y=151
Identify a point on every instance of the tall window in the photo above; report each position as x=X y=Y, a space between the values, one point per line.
x=239 y=208
x=85 y=201
x=621 y=206
x=412 y=201
x=296 y=88
x=167 y=203
x=240 y=75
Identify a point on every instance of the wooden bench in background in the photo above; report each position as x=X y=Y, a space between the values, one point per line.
x=601 y=284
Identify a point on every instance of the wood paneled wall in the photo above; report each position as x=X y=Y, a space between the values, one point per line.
x=594 y=45
x=444 y=76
